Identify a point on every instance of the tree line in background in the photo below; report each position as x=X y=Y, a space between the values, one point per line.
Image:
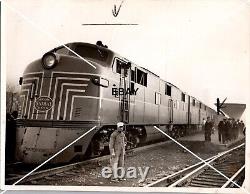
x=12 y=98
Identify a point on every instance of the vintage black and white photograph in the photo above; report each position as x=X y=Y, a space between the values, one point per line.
x=139 y=95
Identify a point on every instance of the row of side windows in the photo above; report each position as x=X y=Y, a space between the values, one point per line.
x=140 y=77
x=199 y=104
x=168 y=91
x=175 y=104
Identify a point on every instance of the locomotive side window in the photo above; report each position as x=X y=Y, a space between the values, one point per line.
x=193 y=102
x=168 y=90
x=132 y=87
x=182 y=97
x=132 y=75
x=141 y=77
x=132 y=83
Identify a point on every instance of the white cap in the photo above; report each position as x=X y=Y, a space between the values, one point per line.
x=120 y=124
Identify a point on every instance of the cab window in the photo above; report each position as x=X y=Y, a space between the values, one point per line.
x=118 y=65
x=91 y=52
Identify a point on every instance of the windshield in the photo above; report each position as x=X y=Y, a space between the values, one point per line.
x=85 y=51
x=91 y=52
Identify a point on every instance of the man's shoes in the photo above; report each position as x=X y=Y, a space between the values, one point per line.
x=115 y=180
x=122 y=179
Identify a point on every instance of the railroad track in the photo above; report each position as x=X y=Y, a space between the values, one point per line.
x=231 y=163
x=18 y=171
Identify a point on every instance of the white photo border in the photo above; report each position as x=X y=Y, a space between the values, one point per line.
x=100 y=188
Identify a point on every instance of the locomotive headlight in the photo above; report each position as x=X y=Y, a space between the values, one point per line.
x=49 y=60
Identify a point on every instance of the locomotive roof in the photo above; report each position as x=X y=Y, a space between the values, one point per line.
x=173 y=85
x=82 y=43
x=103 y=60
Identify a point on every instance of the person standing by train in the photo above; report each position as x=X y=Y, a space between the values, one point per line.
x=117 y=146
x=221 y=131
x=241 y=127
x=235 y=129
x=208 y=129
x=228 y=130
x=203 y=124
x=224 y=131
x=232 y=133
x=238 y=128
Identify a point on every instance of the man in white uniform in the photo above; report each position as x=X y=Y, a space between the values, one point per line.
x=117 y=146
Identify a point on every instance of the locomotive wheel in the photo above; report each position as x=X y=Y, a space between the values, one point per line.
x=175 y=132
x=182 y=132
x=99 y=143
x=96 y=148
x=135 y=140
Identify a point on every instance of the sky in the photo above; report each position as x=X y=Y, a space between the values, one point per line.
x=201 y=46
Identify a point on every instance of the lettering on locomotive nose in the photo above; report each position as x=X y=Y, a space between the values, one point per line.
x=43 y=103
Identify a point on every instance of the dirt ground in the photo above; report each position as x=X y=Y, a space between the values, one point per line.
x=164 y=159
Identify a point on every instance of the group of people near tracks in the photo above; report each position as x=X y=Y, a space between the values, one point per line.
x=228 y=129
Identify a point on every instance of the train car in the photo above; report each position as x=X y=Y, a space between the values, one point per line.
x=70 y=90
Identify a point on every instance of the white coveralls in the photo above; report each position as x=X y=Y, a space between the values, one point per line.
x=117 y=145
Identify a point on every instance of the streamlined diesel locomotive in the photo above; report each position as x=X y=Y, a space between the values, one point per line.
x=77 y=86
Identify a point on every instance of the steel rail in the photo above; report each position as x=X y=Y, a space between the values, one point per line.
x=160 y=181
x=61 y=169
x=209 y=160
x=203 y=166
x=233 y=177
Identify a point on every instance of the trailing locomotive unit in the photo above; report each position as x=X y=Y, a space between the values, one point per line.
x=63 y=96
